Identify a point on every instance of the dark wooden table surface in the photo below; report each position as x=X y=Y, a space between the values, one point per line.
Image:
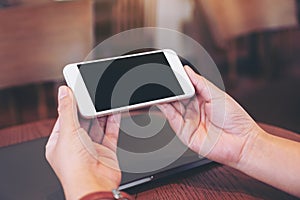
x=213 y=181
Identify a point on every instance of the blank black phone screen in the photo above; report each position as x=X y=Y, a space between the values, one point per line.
x=128 y=81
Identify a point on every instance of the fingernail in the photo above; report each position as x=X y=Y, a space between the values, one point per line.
x=187 y=68
x=62 y=92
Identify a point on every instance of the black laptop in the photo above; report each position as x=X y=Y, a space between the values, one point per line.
x=143 y=157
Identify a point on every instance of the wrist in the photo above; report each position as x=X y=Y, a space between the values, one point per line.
x=83 y=186
x=251 y=148
x=114 y=194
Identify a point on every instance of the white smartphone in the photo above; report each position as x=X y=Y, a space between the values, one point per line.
x=102 y=87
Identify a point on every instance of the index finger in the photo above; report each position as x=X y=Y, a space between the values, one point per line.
x=110 y=139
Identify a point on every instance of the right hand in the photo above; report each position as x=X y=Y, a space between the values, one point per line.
x=212 y=123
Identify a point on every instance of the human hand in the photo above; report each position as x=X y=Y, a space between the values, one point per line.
x=82 y=165
x=212 y=123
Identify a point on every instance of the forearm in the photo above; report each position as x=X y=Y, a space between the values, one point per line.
x=273 y=160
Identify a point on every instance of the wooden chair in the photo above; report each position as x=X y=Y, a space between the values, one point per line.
x=37 y=39
x=231 y=19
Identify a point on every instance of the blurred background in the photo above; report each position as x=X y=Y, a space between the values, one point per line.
x=255 y=45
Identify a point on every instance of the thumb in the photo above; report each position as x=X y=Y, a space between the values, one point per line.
x=203 y=87
x=67 y=111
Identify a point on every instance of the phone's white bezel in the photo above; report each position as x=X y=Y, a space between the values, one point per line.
x=86 y=107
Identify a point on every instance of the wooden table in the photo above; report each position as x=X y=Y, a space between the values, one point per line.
x=213 y=181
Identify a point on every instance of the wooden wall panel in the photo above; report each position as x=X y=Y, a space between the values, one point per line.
x=37 y=41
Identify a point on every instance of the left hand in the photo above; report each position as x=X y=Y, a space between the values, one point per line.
x=82 y=165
